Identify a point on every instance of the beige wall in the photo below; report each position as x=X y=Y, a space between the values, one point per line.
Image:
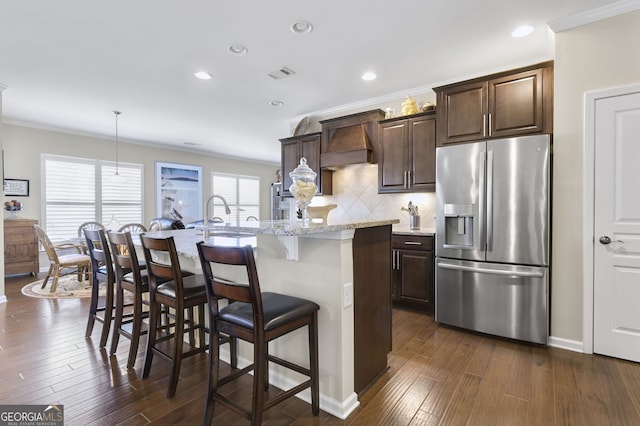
x=596 y=56
x=23 y=146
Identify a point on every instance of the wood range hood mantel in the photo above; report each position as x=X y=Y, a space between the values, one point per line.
x=350 y=139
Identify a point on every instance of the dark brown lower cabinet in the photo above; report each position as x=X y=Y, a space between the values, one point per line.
x=413 y=272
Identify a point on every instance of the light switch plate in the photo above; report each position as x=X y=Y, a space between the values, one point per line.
x=347 y=296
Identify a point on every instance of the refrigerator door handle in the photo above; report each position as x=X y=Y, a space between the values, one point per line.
x=481 y=205
x=525 y=274
x=489 y=200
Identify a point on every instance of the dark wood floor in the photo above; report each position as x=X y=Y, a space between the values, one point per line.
x=437 y=375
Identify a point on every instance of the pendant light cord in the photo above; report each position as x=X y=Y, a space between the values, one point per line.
x=117 y=113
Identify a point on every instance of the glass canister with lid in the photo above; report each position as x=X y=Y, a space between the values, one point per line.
x=303 y=188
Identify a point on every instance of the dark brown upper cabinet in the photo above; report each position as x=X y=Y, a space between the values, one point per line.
x=512 y=103
x=407 y=153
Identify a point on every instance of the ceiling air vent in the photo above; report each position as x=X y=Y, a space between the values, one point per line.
x=281 y=73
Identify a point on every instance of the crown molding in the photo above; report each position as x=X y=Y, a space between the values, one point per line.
x=593 y=15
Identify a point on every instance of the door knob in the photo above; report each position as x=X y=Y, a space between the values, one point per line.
x=606 y=240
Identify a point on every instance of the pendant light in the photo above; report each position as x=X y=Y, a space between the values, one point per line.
x=116 y=178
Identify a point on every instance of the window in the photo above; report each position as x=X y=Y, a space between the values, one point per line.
x=242 y=194
x=78 y=190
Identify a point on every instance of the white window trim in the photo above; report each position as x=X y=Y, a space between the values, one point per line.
x=98 y=164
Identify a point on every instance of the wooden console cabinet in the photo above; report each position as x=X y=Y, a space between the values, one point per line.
x=20 y=247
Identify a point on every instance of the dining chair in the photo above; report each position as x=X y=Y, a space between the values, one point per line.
x=134 y=228
x=57 y=262
x=88 y=225
x=183 y=294
x=257 y=318
x=100 y=309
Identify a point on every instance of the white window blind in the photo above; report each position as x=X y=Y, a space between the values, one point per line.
x=78 y=190
x=242 y=194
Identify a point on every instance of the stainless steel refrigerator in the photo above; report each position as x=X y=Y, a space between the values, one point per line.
x=279 y=203
x=492 y=236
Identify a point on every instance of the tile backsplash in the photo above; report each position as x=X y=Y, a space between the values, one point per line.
x=355 y=191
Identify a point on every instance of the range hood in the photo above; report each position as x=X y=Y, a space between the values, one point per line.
x=348 y=145
x=350 y=140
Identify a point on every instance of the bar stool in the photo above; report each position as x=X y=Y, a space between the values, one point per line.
x=167 y=286
x=257 y=318
x=132 y=278
x=102 y=268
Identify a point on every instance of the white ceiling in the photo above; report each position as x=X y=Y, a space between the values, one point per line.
x=68 y=63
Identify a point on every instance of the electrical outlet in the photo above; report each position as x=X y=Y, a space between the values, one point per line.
x=347 y=296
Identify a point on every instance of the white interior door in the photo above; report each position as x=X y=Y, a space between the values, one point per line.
x=617 y=227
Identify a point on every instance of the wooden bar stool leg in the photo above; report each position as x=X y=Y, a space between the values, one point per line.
x=117 y=323
x=151 y=338
x=214 y=374
x=177 y=353
x=258 y=381
x=93 y=309
x=190 y=319
x=136 y=330
x=201 y=326
x=108 y=313
x=313 y=364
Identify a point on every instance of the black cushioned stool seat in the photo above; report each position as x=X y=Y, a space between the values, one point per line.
x=278 y=309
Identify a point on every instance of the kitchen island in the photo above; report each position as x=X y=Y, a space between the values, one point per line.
x=343 y=267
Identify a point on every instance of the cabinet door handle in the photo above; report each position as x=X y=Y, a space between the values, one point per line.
x=398 y=260
x=393 y=259
x=484 y=124
x=412 y=243
x=489 y=124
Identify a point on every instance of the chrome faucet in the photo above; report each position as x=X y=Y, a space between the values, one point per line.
x=205 y=217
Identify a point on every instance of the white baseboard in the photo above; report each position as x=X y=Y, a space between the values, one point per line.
x=3 y=299
x=339 y=409
x=570 y=345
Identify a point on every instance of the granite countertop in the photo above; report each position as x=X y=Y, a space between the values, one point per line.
x=289 y=228
x=404 y=230
x=245 y=233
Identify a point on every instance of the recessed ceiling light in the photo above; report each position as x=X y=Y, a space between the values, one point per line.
x=203 y=75
x=237 y=49
x=301 y=27
x=522 y=31
x=368 y=76
x=276 y=103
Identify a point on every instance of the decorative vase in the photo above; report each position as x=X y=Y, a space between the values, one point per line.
x=303 y=188
x=13 y=207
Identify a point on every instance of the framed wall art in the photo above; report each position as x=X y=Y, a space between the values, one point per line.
x=16 y=187
x=179 y=191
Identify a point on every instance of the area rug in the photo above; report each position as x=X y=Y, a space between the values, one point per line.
x=68 y=287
